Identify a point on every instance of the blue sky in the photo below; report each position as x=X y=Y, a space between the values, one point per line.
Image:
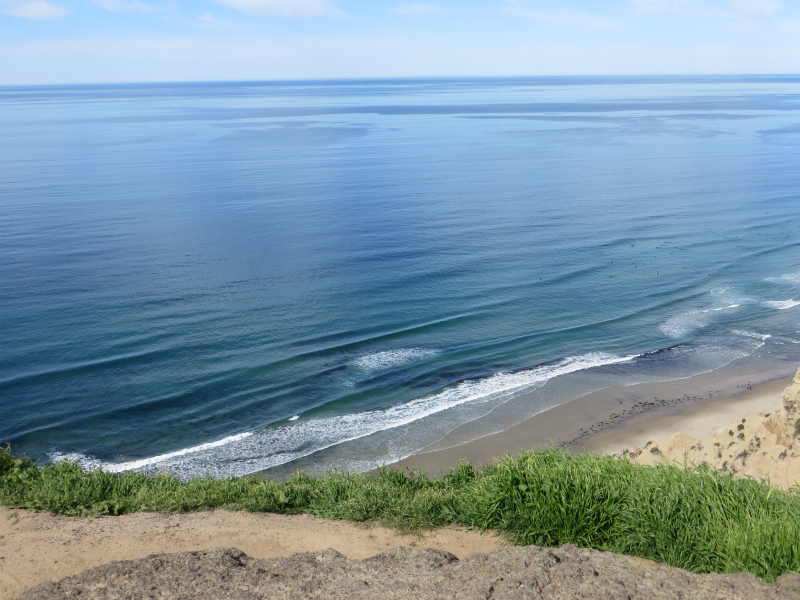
x=84 y=41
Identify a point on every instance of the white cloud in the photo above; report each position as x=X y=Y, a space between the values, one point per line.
x=752 y=18
x=658 y=5
x=417 y=9
x=682 y=8
x=731 y=9
x=37 y=9
x=209 y=20
x=757 y=7
x=244 y=57
x=789 y=26
x=283 y=8
x=135 y=6
x=562 y=18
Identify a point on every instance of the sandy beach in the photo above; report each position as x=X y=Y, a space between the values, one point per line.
x=619 y=417
x=707 y=418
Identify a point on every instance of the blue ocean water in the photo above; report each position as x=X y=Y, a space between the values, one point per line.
x=223 y=278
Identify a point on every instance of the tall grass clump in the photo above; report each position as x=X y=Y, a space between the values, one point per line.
x=694 y=518
x=689 y=517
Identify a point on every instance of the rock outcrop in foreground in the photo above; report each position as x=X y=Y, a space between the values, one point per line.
x=531 y=573
x=762 y=446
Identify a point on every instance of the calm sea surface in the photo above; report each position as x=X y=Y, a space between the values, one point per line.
x=224 y=278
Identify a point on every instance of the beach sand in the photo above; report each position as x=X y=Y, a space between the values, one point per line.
x=704 y=419
x=620 y=417
x=762 y=445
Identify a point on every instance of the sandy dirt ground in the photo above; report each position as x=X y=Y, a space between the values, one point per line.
x=703 y=420
x=37 y=546
x=764 y=445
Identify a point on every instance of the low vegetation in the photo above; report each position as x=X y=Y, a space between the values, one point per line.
x=693 y=518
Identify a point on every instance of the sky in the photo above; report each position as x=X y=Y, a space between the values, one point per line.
x=104 y=41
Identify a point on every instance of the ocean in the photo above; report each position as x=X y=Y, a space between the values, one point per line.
x=228 y=278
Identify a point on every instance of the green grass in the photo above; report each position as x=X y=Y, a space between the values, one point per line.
x=694 y=518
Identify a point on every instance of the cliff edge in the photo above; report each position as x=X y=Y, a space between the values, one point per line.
x=514 y=573
x=763 y=445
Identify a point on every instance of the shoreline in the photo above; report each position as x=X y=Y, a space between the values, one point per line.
x=37 y=546
x=619 y=417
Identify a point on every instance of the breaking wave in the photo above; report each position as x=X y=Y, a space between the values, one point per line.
x=254 y=451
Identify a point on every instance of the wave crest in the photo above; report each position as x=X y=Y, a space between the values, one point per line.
x=782 y=304
x=684 y=324
x=387 y=359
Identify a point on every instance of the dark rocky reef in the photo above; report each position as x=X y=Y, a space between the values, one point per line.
x=531 y=573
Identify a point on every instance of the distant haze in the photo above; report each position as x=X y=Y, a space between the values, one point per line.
x=97 y=41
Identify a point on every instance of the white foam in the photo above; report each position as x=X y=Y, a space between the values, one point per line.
x=681 y=325
x=730 y=295
x=378 y=361
x=790 y=277
x=751 y=334
x=149 y=462
x=254 y=451
x=723 y=308
x=294 y=418
x=782 y=304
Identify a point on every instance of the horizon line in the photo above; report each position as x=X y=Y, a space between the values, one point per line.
x=319 y=80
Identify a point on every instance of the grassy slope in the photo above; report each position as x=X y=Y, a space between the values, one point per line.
x=696 y=519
